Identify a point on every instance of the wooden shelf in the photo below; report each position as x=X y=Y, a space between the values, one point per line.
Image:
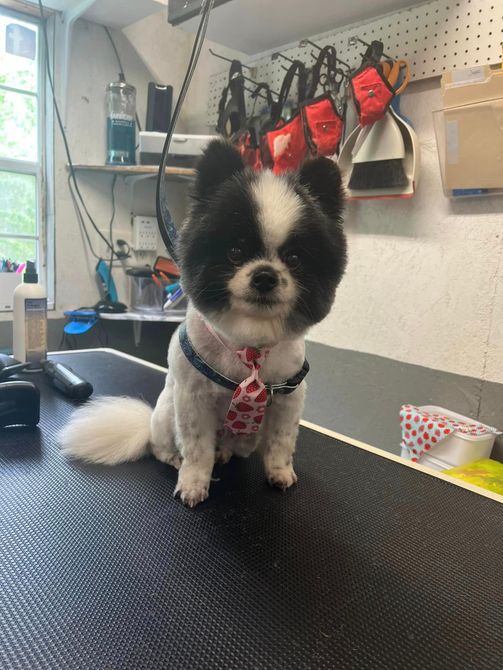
x=139 y=318
x=169 y=316
x=135 y=170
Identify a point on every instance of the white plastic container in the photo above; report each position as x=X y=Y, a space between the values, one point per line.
x=9 y=281
x=457 y=448
x=30 y=320
x=146 y=295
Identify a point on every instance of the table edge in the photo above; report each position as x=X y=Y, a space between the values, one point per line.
x=324 y=431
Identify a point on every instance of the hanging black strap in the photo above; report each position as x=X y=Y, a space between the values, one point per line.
x=296 y=68
x=256 y=122
x=232 y=112
x=327 y=57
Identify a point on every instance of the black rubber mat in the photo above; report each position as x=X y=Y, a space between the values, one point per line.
x=364 y=564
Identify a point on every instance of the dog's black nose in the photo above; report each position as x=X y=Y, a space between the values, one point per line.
x=264 y=280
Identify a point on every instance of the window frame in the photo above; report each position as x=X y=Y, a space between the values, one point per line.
x=44 y=232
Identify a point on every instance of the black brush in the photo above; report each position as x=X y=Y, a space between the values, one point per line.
x=378 y=175
x=378 y=157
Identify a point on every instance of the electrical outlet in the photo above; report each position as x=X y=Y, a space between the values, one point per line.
x=144 y=233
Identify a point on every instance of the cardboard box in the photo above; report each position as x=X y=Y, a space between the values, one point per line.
x=470 y=130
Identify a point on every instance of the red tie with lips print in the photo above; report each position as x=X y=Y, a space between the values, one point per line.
x=247 y=408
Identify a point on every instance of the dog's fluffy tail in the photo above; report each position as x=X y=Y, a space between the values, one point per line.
x=108 y=430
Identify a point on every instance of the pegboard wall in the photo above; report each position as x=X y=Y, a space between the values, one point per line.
x=433 y=37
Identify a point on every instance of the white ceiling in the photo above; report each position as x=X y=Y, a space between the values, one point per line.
x=114 y=13
x=121 y=13
x=254 y=26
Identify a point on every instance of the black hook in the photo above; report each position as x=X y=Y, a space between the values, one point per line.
x=304 y=43
x=277 y=55
x=344 y=75
x=352 y=41
x=343 y=62
x=254 y=93
x=228 y=60
x=252 y=81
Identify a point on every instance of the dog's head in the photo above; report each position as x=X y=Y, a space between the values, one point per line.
x=261 y=255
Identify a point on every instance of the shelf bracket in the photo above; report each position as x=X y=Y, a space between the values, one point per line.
x=68 y=18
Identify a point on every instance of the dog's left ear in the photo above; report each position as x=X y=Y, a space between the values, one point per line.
x=219 y=162
x=322 y=177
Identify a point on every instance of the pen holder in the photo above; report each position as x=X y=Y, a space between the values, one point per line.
x=146 y=295
x=8 y=282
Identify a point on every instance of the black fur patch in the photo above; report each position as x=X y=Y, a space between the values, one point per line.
x=320 y=244
x=224 y=221
x=319 y=241
x=323 y=180
x=219 y=162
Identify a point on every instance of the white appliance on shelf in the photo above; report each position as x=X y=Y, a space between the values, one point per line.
x=183 y=152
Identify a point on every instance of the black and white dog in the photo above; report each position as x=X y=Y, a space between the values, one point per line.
x=261 y=256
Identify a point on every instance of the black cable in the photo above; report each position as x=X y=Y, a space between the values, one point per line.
x=110 y=226
x=122 y=75
x=103 y=331
x=121 y=69
x=167 y=227
x=62 y=341
x=80 y=218
x=63 y=133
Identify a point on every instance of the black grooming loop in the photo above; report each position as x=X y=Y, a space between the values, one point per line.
x=232 y=117
x=232 y=112
x=331 y=79
x=303 y=43
x=296 y=69
x=256 y=122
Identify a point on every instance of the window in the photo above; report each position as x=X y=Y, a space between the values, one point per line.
x=21 y=133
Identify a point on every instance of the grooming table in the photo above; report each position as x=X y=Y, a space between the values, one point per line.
x=366 y=564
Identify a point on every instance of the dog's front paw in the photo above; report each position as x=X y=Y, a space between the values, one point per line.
x=282 y=477
x=192 y=494
x=191 y=490
x=223 y=455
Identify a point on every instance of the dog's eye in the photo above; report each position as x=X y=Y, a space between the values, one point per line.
x=292 y=260
x=236 y=255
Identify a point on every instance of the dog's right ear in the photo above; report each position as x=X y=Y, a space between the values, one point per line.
x=219 y=162
x=322 y=177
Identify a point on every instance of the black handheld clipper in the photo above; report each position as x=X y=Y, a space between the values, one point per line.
x=67 y=381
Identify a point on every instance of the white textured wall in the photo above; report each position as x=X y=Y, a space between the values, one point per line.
x=165 y=50
x=425 y=278
x=92 y=67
